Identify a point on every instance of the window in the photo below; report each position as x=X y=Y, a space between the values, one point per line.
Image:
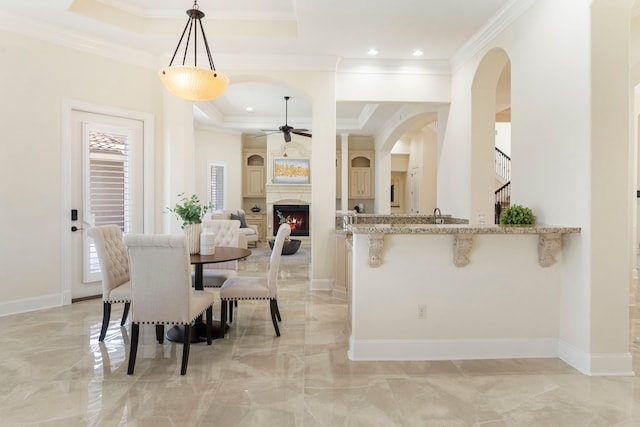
x=107 y=187
x=217 y=174
x=108 y=171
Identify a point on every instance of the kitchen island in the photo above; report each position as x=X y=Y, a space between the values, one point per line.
x=454 y=291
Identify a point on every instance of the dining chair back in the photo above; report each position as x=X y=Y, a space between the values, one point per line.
x=161 y=289
x=258 y=287
x=114 y=267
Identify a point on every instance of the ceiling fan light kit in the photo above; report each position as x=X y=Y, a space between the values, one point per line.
x=189 y=81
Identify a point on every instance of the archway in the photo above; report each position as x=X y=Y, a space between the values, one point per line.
x=484 y=107
x=414 y=127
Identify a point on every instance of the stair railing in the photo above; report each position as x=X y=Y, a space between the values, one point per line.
x=503 y=200
x=503 y=164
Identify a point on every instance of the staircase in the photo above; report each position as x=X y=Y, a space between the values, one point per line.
x=503 y=174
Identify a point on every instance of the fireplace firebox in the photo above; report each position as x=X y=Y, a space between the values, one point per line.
x=296 y=215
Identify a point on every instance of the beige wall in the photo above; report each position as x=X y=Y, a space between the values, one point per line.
x=222 y=147
x=35 y=78
x=554 y=97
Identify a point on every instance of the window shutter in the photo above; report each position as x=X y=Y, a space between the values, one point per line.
x=216 y=185
x=108 y=184
x=109 y=171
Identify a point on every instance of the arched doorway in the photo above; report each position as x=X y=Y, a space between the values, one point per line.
x=490 y=101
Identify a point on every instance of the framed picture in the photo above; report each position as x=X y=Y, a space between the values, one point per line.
x=291 y=171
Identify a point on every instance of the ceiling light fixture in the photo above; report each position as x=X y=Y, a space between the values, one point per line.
x=189 y=81
x=418 y=52
x=372 y=52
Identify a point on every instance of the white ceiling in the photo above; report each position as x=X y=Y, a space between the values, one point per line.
x=338 y=32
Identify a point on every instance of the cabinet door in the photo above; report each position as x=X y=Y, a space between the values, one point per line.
x=254 y=184
x=259 y=221
x=360 y=183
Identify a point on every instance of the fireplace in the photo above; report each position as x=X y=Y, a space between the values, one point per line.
x=296 y=215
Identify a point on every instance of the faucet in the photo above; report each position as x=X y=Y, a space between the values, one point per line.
x=437 y=213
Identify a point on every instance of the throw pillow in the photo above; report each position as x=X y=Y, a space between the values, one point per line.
x=242 y=219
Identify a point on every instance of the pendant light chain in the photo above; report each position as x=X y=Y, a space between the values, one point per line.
x=191 y=82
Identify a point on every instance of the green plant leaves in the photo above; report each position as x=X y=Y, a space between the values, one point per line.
x=189 y=209
x=517 y=214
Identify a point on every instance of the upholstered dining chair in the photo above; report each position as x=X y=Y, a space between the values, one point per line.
x=260 y=287
x=114 y=266
x=161 y=290
x=227 y=232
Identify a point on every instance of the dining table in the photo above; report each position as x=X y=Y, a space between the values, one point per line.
x=199 y=329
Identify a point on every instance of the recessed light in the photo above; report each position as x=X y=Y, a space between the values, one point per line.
x=418 y=52
x=249 y=109
x=372 y=52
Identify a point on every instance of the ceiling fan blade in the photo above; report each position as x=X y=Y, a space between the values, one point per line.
x=299 y=130
x=267 y=133
x=301 y=133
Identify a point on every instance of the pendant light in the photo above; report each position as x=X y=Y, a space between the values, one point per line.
x=189 y=81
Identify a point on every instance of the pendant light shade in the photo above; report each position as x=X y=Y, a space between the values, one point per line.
x=189 y=81
x=193 y=83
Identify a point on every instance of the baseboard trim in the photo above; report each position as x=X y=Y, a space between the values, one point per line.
x=321 y=285
x=339 y=294
x=593 y=364
x=596 y=364
x=30 y=304
x=452 y=349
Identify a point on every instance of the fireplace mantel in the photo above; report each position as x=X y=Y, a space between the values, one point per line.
x=288 y=188
x=280 y=192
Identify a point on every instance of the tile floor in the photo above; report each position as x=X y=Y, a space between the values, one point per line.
x=54 y=372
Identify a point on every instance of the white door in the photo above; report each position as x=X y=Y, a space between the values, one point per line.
x=415 y=190
x=106 y=188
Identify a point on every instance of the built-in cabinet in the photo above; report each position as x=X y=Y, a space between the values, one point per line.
x=260 y=221
x=254 y=173
x=361 y=174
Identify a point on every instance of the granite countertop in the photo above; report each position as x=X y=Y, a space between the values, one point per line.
x=458 y=229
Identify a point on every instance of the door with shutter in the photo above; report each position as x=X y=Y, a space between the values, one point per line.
x=107 y=188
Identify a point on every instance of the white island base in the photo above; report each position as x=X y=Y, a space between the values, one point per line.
x=410 y=300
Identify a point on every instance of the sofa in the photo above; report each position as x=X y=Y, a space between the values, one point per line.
x=248 y=233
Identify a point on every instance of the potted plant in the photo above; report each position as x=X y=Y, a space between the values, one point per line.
x=283 y=220
x=517 y=215
x=190 y=211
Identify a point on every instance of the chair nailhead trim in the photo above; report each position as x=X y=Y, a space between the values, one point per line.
x=162 y=322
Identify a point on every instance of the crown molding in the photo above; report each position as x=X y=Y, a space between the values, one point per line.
x=498 y=22
x=73 y=40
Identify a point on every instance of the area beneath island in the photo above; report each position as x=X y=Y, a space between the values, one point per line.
x=455 y=291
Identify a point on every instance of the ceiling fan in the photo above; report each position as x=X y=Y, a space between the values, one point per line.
x=286 y=129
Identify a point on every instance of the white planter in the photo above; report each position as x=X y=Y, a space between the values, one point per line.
x=192 y=231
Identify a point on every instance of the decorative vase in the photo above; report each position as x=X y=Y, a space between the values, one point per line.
x=192 y=231
x=207 y=242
